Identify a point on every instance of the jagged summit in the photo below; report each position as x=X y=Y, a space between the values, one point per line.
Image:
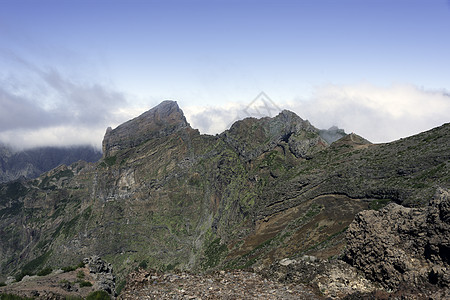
x=251 y=137
x=162 y=120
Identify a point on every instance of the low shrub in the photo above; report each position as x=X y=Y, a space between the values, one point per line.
x=85 y=283
x=44 y=271
x=22 y=274
x=98 y=295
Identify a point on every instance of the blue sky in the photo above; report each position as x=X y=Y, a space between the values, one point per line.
x=69 y=69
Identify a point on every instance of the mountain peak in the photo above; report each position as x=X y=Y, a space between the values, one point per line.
x=353 y=140
x=162 y=120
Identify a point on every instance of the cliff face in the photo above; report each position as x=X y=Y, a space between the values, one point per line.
x=160 y=121
x=165 y=196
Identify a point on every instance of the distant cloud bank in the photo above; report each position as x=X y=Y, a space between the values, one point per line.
x=75 y=113
x=380 y=114
x=47 y=108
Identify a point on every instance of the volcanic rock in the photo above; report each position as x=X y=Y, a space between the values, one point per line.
x=403 y=246
x=102 y=273
x=160 y=121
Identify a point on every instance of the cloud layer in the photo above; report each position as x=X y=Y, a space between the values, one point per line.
x=54 y=110
x=380 y=114
x=47 y=108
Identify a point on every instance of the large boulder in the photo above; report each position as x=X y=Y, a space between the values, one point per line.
x=399 y=246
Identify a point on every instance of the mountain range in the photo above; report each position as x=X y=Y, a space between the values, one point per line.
x=31 y=163
x=166 y=197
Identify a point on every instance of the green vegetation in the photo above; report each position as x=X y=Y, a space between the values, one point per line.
x=84 y=283
x=214 y=252
x=110 y=160
x=120 y=286
x=22 y=274
x=44 y=271
x=15 y=190
x=379 y=203
x=80 y=274
x=2 y=283
x=143 y=264
x=32 y=266
x=73 y=298
x=72 y=268
x=98 y=295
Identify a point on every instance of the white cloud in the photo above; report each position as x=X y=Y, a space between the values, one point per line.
x=380 y=114
x=213 y=119
x=48 y=108
x=53 y=136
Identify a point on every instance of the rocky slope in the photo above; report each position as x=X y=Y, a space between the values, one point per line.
x=167 y=197
x=31 y=163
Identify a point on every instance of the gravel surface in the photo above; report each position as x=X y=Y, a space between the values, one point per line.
x=219 y=285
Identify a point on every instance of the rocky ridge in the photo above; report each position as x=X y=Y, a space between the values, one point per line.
x=165 y=196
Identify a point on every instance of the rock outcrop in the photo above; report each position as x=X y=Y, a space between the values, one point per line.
x=399 y=246
x=160 y=121
x=102 y=272
x=334 y=279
